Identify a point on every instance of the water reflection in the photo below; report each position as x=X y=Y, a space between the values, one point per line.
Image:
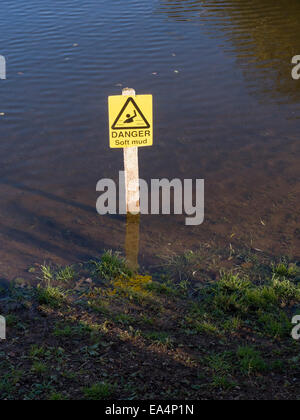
x=132 y=240
x=263 y=34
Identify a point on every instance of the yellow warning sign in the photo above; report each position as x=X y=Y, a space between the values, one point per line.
x=130 y=121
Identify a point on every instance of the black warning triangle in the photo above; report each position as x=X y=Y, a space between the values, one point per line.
x=130 y=117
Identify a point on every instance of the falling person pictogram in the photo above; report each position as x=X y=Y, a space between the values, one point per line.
x=130 y=119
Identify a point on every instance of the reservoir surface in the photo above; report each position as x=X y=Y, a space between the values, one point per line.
x=226 y=110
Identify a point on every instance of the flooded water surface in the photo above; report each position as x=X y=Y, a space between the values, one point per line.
x=225 y=105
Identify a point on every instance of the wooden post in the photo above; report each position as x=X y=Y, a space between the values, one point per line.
x=132 y=190
x=131 y=168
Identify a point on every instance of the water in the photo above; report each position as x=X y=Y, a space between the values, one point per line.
x=226 y=109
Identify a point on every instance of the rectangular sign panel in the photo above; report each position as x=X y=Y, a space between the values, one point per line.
x=130 y=121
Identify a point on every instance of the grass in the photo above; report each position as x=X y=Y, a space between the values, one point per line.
x=275 y=325
x=66 y=330
x=219 y=363
x=283 y=269
x=222 y=367
x=11 y=320
x=124 y=319
x=195 y=330
x=66 y=274
x=183 y=267
x=36 y=352
x=233 y=324
x=47 y=294
x=47 y=274
x=159 y=337
x=56 y=396
x=50 y=296
x=39 y=368
x=207 y=327
x=223 y=383
x=99 y=391
x=250 y=360
x=111 y=266
x=235 y=299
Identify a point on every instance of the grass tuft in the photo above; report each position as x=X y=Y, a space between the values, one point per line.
x=111 y=266
x=99 y=391
x=50 y=296
x=250 y=360
x=65 y=274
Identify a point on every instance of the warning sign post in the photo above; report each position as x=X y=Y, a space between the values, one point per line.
x=131 y=127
